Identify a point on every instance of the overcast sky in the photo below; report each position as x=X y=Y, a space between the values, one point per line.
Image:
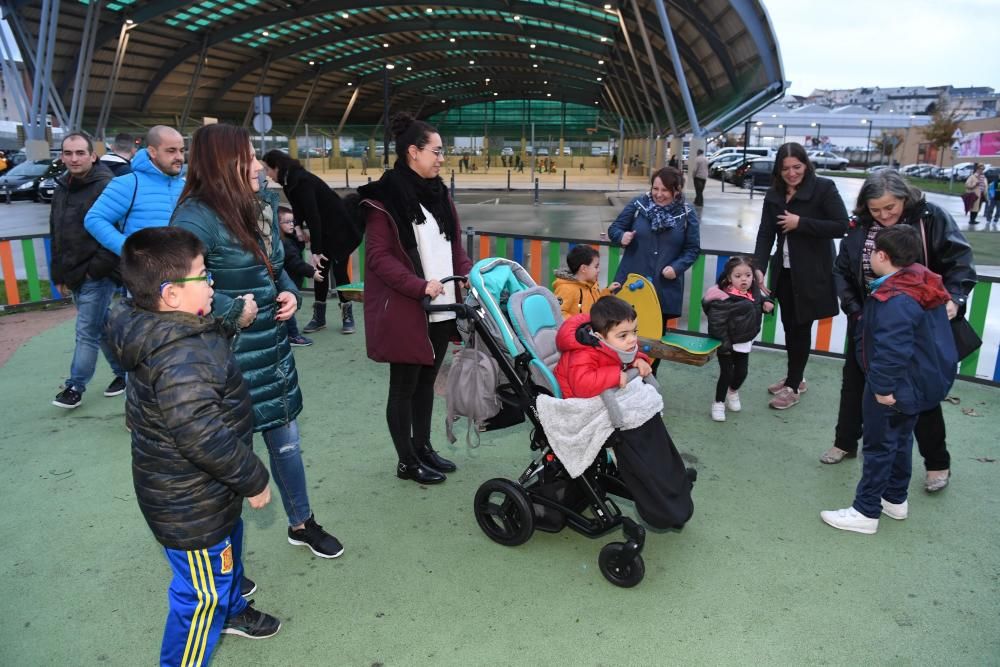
x=852 y=43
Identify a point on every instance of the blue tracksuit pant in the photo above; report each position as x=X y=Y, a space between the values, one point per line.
x=888 y=456
x=205 y=591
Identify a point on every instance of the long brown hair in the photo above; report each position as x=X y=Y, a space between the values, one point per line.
x=219 y=176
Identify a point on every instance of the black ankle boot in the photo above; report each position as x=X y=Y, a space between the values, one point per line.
x=432 y=459
x=419 y=473
x=318 y=320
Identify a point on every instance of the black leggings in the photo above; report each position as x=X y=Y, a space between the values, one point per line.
x=340 y=277
x=929 y=431
x=411 y=397
x=732 y=372
x=798 y=335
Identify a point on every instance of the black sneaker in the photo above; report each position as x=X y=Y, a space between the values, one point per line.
x=116 y=388
x=320 y=542
x=247 y=587
x=299 y=341
x=68 y=398
x=251 y=624
x=347 y=318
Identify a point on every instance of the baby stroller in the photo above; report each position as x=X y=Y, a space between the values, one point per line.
x=516 y=321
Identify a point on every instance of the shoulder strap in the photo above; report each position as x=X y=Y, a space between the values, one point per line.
x=135 y=191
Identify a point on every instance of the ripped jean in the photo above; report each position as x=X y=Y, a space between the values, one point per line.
x=288 y=471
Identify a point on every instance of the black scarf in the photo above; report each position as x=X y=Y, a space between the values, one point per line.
x=407 y=191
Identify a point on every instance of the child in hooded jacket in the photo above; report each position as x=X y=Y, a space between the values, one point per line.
x=734 y=308
x=577 y=288
x=907 y=352
x=297 y=268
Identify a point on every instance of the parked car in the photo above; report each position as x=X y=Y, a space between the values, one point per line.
x=756 y=151
x=716 y=169
x=47 y=184
x=962 y=170
x=877 y=168
x=22 y=181
x=756 y=173
x=827 y=160
x=507 y=150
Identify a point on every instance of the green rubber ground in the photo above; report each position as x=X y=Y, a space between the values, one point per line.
x=755 y=578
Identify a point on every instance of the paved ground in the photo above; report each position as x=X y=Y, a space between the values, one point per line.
x=755 y=578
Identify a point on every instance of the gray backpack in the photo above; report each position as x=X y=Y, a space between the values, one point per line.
x=472 y=390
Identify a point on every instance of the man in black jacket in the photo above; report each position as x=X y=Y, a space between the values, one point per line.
x=119 y=160
x=81 y=267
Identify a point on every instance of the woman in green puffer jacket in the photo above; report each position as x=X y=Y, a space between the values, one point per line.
x=222 y=205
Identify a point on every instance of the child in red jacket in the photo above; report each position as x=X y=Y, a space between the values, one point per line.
x=596 y=351
x=598 y=348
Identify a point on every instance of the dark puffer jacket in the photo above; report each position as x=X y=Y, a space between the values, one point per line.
x=192 y=426
x=76 y=255
x=948 y=255
x=261 y=349
x=733 y=318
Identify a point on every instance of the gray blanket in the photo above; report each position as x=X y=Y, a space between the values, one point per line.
x=577 y=428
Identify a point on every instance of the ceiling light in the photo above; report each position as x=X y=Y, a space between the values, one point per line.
x=600 y=62
x=350 y=83
x=535 y=65
x=429 y=10
x=443 y=102
x=265 y=33
x=548 y=94
x=385 y=45
x=595 y=101
x=495 y=94
x=472 y=62
x=345 y=15
x=452 y=40
x=517 y=17
x=409 y=69
x=312 y=62
x=545 y=82
x=598 y=78
x=607 y=6
x=129 y=22
x=390 y=66
x=603 y=39
x=487 y=79
x=532 y=46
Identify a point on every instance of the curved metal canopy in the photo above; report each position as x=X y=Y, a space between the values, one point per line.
x=209 y=58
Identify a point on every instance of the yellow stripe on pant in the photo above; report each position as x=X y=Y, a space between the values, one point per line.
x=201 y=623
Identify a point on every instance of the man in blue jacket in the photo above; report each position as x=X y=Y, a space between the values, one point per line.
x=908 y=354
x=144 y=198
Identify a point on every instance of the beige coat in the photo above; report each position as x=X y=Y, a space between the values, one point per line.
x=976 y=183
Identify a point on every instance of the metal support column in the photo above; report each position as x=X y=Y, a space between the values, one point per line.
x=116 y=69
x=81 y=81
x=12 y=78
x=682 y=83
x=256 y=91
x=32 y=65
x=186 y=114
x=656 y=68
x=635 y=61
x=347 y=111
x=621 y=150
x=305 y=105
x=622 y=74
x=385 y=118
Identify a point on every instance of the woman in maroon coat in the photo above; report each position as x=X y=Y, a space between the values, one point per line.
x=413 y=241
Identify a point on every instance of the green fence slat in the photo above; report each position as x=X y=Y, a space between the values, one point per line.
x=501 y=246
x=697 y=287
x=614 y=259
x=34 y=286
x=361 y=263
x=555 y=257
x=977 y=318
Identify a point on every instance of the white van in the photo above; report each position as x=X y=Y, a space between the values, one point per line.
x=754 y=151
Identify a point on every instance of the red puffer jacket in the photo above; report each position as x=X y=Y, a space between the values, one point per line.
x=586 y=368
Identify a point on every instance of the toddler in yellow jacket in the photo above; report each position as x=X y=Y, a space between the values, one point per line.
x=577 y=288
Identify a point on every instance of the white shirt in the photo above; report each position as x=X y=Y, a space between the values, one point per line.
x=436 y=260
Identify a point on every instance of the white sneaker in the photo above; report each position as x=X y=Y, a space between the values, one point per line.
x=733 y=401
x=849 y=519
x=896 y=511
x=718 y=412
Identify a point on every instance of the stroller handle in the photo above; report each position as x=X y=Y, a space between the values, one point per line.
x=457 y=308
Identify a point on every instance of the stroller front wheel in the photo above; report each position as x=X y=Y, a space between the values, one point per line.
x=504 y=513
x=624 y=574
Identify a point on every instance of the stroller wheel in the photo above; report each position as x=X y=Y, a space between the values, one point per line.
x=625 y=575
x=504 y=512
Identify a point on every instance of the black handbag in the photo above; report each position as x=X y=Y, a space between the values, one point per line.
x=967 y=340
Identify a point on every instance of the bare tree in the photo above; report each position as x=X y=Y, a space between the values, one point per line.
x=944 y=122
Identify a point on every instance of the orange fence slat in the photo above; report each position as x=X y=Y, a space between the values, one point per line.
x=824 y=330
x=536 y=260
x=484 y=246
x=9 y=277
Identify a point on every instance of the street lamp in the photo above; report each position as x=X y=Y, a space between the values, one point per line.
x=868 y=147
x=784 y=132
x=818 y=139
x=759 y=124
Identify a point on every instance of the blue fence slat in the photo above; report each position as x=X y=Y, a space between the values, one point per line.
x=56 y=294
x=519 y=251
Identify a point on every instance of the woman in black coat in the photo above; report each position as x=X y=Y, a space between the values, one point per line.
x=886 y=199
x=332 y=236
x=804 y=213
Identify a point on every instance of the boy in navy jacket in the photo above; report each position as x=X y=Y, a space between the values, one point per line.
x=907 y=352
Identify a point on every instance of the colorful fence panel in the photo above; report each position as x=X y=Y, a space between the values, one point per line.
x=24 y=268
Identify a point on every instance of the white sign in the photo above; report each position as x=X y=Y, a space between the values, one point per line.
x=957 y=135
x=262 y=104
x=262 y=123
